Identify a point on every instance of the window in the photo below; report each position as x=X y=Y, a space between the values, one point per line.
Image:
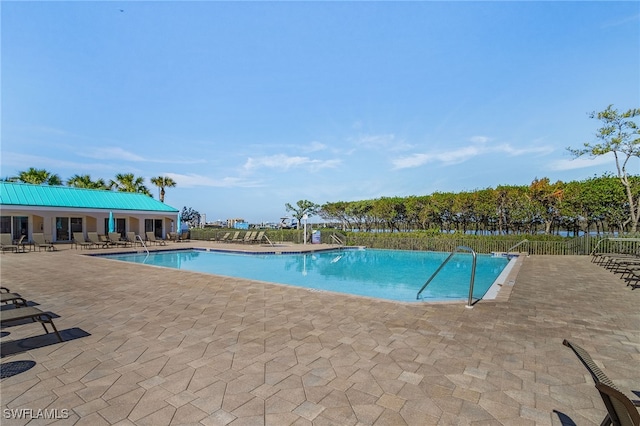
x=20 y=227
x=65 y=226
x=119 y=226
x=5 y=224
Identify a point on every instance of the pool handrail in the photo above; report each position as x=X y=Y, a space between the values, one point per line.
x=516 y=245
x=139 y=238
x=473 y=273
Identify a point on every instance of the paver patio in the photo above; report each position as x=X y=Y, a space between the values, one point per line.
x=153 y=346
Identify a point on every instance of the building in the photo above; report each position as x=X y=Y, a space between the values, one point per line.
x=59 y=211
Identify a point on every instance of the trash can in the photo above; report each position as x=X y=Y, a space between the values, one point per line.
x=315 y=237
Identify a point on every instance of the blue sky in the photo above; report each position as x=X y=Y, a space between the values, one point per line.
x=251 y=105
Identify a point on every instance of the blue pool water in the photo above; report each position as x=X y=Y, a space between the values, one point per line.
x=384 y=274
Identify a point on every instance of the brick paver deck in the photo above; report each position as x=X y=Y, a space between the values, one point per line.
x=153 y=346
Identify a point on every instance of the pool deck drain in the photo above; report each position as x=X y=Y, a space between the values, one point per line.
x=158 y=346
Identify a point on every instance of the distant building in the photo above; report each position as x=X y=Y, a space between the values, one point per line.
x=237 y=224
x=59 y=211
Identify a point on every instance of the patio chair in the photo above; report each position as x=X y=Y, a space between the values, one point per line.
x=29 y=312
x=6 y=243
x=14 y=298
x=133 y=239
x=79 y=240
x=95 y=239
x=173 y=236
x=624 y=410
x=152 y=238
x=114 y=239
x=263 y=236
x=249 y=237
x=225 y=237
x=621 y=410
x=40 y=242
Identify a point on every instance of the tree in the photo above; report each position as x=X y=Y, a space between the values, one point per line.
x=190 y=215
x=38 y=177
x=84 y=181
x=619 y=135
x=303 y=207
x=163 y=182
x=127 y=182
x=546 y=197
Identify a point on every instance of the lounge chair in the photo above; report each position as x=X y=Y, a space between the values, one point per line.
x=249 y=236
x=172 y=236
x=7 y=296
x=621 y=410
x=152 y=238
x=95 y=239
x=13 y=298
x=6 y=243
x=29 y=312
x=263 y=236
x=79 y=240
x=114 y=239
x=225 y=237
x=40 y=242
x=133 y=239
x=236 y=237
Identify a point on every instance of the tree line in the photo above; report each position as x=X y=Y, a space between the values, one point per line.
x=607 y=203
x=598 y=203
x=122 y=182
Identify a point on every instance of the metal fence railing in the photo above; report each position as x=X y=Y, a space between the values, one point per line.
x=582 y=245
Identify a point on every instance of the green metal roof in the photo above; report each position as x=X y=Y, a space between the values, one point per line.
x=23 y=194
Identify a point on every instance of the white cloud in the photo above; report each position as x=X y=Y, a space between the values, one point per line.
x=120 y=154
x=463 y=154
x=192 y=180
x=315 y=146
x=479 y=139
x=383 y=141
x=285 y=162
x=582 y=162
x=11 y=160
x=111 y=154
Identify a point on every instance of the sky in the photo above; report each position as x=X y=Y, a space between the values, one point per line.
x=252 y=105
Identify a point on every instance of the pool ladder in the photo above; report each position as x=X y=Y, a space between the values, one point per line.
x=473 y=273
x=138 y=237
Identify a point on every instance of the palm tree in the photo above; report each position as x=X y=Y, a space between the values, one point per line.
x=39 y=177
x=163 y=182
x=84 y=181
x=127 y=182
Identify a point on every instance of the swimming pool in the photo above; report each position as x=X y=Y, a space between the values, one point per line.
x=384 y=274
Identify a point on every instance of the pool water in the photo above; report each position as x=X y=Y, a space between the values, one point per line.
x=384 y=274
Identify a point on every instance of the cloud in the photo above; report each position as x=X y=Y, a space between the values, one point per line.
x=582 y=162
x=284 y=162
x=192 y=180
x=463 y=154
x=383 y=141
x=115 y=153
x=11 y=160
x=314 y=147
x=479 y=139
x=621 y=21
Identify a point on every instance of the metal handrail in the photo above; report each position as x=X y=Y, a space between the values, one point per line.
x=473 y=273
x=337 y=240
x=268 y=240
x=516 y=245
x=142 y=242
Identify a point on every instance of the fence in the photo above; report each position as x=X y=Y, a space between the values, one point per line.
x=582 y=245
